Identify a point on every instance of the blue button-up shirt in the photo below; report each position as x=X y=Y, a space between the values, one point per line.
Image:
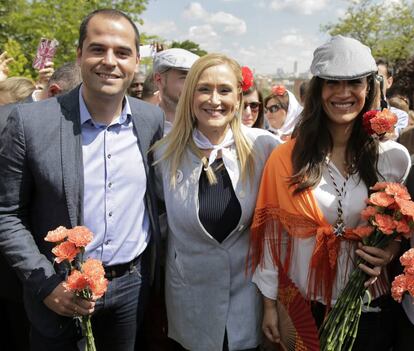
x=114 y=188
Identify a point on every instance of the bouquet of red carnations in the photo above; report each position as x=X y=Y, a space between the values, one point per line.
x=389 y=213
x=87 y=278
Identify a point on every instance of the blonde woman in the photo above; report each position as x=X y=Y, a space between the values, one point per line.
x=209 y=168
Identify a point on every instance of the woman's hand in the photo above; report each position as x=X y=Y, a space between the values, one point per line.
x=4 y=68
x=376 y=258
x=270 y=323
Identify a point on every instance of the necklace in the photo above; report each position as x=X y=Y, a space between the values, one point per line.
x=339 y=226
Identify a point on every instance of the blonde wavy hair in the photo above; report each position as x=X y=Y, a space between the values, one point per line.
x=180 y=137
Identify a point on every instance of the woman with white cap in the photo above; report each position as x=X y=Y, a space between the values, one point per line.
x=282 y=112
x=313 y=190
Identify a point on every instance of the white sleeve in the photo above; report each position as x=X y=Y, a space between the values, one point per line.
x=266 y=275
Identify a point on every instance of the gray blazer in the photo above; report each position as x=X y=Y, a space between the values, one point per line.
x=41 y=187
x=207 y=289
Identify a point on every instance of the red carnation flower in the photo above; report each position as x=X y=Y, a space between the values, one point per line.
x=247 y=78
x=279 y=90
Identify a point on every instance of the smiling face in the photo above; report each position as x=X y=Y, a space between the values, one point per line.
x=216 y=100
x=343 y=100
x=251 y=108
x=108 y=58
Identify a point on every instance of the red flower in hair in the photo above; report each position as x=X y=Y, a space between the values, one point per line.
x=279 y=90
x=247 y=78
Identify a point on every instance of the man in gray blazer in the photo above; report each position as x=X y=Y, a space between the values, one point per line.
x=81 y=159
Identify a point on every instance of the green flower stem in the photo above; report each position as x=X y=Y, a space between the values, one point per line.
x=87 y=332
x=339 y=330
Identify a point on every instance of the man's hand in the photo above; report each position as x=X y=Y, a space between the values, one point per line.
x=4 y=68
x=66 y=303
x=270 y=325
x=44 y=76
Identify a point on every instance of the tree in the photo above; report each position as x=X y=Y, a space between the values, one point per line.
x=24 y=22
x=387 y=29
x=190 y=46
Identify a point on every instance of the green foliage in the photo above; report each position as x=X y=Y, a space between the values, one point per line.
x=190 y=46
x=24 y=22
x=387 y=29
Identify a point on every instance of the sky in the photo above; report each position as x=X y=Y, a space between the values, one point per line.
x=262 y=34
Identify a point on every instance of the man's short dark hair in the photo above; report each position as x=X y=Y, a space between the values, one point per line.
x=68 y=76
x=110 y=13
x=388 y=67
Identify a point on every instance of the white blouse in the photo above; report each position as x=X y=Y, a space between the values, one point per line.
x=393 y=164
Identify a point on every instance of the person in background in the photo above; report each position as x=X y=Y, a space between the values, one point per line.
x=253 y=114
x=4 y=65
x=170 y=68
x=137 y=85
x=282 y=112
x=15 y=89
x=64 y=79
x=81 y=159
x=385 y=75
x=209 y=167
x=312 y=192
x=150 y=92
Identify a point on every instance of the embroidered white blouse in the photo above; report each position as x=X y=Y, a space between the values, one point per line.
x=393 y=164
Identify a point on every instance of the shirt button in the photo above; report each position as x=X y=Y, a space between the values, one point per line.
x=109 y=155
x=109 y=185
x=107 y=242
x=110 y=214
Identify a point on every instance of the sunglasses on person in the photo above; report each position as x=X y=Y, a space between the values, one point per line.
x=273 y=108
x=254 y=106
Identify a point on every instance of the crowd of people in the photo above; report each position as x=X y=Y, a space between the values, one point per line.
x=202 y=192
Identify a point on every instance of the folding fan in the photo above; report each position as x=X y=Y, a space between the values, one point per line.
x=297 y=327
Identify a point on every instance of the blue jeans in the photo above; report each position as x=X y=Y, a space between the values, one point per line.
x=117 y=316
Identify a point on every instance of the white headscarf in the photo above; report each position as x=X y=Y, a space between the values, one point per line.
x=292 y=117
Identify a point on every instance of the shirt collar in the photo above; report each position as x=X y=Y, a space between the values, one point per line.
x=86 y=116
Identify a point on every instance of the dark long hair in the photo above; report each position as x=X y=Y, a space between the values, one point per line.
x=314 y=141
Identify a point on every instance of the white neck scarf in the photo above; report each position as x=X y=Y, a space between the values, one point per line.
x=203 y=143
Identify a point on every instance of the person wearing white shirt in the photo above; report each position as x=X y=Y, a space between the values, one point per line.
x=313 y=190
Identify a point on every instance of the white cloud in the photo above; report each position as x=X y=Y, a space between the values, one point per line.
x=194 y=11
x=305 y=7
x=222 y=21
x=230 y=23
x=205 y=36
x=160 y=28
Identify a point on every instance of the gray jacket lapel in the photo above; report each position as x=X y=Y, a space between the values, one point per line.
x=71 y=148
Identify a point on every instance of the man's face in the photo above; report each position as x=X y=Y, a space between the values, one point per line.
x=172 y=83
x=382 y=71
x=137 y=85
x=108 y=58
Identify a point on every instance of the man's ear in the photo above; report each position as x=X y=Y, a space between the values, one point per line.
x=78 y=55
x=390 y=80
x=157 y=79
x=53 y=90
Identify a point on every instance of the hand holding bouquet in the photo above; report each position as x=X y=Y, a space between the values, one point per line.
x=87 y=278
x=389 y=213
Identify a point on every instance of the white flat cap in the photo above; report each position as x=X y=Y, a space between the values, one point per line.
x=343 y=58
x=174 y=58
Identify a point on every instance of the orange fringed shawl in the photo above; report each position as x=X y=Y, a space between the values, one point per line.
x=300 y=216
